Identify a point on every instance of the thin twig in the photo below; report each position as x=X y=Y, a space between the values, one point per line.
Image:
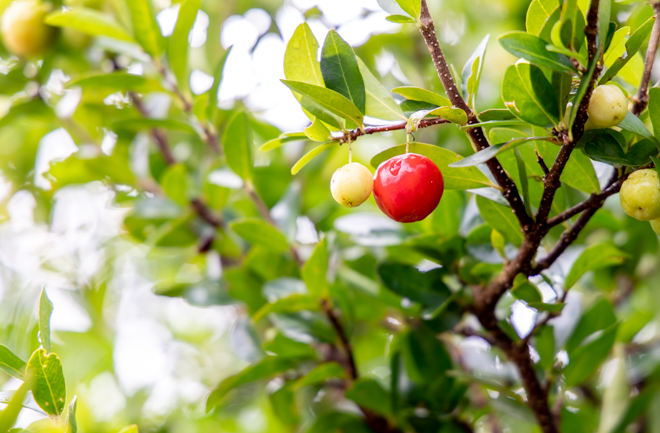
x=541 y=162
x=641 y=100
x=353 y=134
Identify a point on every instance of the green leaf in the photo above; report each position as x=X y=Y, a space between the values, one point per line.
x=300 y=59
x=340 y=70
x=315 y=270
x=654 y=109
x=71 y=416
x=568 y=33
x=533 y=48
x=579 y=172
x=237 y=144
x=317 y=131
x=598 y=317
x=525 y=290
x=11 y=364
x=604 y=13
x=524 y=183
x=501 y=219
x=175 y=183
x=642 y=152
x=290 y=304
x=370 y=394
x=114 y=82
x=408 y=282
x=380 y=103
x=9 y=414
x=594 y=257
x=496 y=114
x=633 y=44
x=178 y=43
x=412 y=7
x=587 y=358
x=212 y=107
x=471 y=74
x=400 y=19
x=281 y=140
x=145 y=27
x=89 y=21
x=419 y=94
x=541 y=14
x=454 y=115
x=545 y=346
x=47 y=382
x=320 y=374
x=264 y=369
x=582 y=90
x=656 y=162
x=455 y=178
x=529 y=95
x=328 y=100
x=259 y=232
x=491 y=152
x=45 y=311
x=633 y=124
x=311 y=155
x=604 y=145
x=283 y=402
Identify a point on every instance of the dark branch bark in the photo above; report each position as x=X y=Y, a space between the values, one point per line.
x=477 y=136
x=353 y=134
x=642 y=98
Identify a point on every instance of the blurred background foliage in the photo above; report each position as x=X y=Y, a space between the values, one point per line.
x=154 y=299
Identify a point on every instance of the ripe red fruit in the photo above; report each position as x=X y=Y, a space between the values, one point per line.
x=407 y=188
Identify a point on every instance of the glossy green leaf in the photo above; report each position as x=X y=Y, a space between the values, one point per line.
x=471 y=74
x=525 y=290
x=114 y=82
x=340 y=70
x=11 y=364
x=301 y=58
x=545 y=346
x=604 y=14
x=380 y=103
x=598 y=317
x=237 y=145
x=587 y=358
x=501 y=219
x=47 y=382
x=281 y=140
x=369 y=394
x=408 y=282
x=71 y=416
x=321 y=373
x=291 y=304
x=529 y=95
x=283 y=402
x=145 y=27
x=533 y=48
x=654 y=109
x=641 y=152
x=604 y=145
x=315 y=270
x=496 y=114
x=633 y=44
x=178 y=42
x=317 y=131
x=45 y=311
x=302 y=162
x=328 y=100
x=259 y=232
x=594 y=257
x=568 y=32
x=175 y=183
x=454 y=115
x=541 y=14
x=89 y=21
x=633 y=124
x=455 y=178
x=491 y=152
x=264 y=369
x=400 y=19
x=419 y=94
x=412 y=7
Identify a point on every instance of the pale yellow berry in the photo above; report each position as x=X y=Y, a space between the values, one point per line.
x=655 y=225
x=351 y=184
x=24 y=33
x=640 y=195
x=608 y=106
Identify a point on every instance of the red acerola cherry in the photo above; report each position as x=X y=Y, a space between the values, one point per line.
x=407 y=188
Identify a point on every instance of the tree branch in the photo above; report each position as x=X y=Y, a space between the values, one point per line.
x=642 y=98
x=477 y=136
x=353 y=134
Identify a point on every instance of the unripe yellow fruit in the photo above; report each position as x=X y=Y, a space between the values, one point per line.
x=608 y=106
x=655 y=225
x=24 y=33
x=640 y=195
x=351 y=184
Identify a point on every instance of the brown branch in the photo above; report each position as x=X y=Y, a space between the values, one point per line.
x=477 y=136
x=641 y=100
x=353 y=134
x=541 y=162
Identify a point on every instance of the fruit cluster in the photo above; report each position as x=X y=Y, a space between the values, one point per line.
x=407 y=188
x=640 y=197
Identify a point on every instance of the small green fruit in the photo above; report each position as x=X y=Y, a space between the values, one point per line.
x=655 y=225
x=640 y=195
x=608 y=106
x=23 y=30
x=351 y=184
